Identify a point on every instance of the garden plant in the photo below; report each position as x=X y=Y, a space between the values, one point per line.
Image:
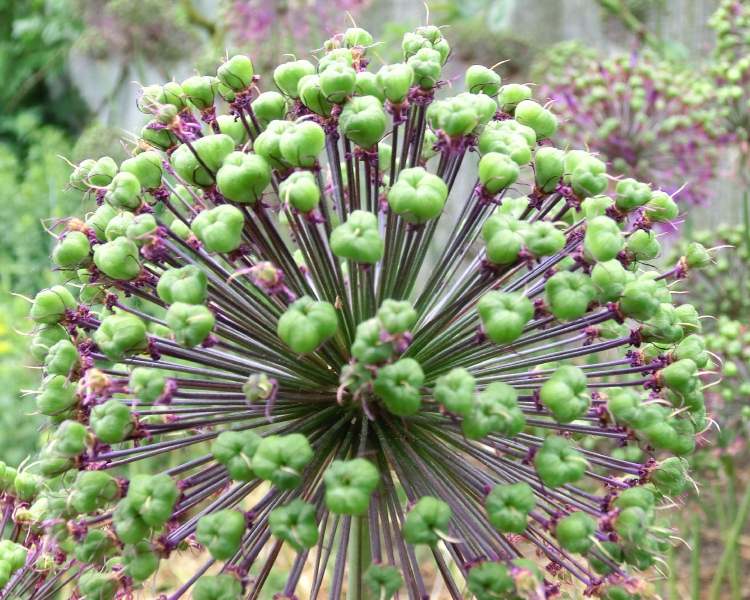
x=249 y=354
x=647 y=117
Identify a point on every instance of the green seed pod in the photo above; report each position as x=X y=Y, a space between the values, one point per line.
x=45 y=337
x=99 y=219
x=287 y=76
x=692 y=347
x=233 y=127
x=146 y=167
x=585 y=173
x=190 y=323
x=307 y=324
x=596 y=206
x=681 y=376
x=481 y=80
x=160 y=138
x=154 y=497
x=643 y=245
x=336 y=56
x=398 y=386
x=267 y=144
x=98 y=586
x=72 y=250
x=187 y=284
x=543 y=239
x=497 y=172
x=455 y=391
x=140 y=561
x=490 y=581
x=548 y=162
x=661 y=208
x=118 y=259
x=500 y=137
x=631 y=194
x=235 y=450
x=696 y=256
x=417 y=196
x=124 y=191
x=121 y=334
x=236 y=73
x=269 y=106
x=27 y=485
x=301 y=191
x=565 y=394
x=129 y=525
x=603 y=240
x=396 y=80
x=367 y=347
x=384 y=581
x=670 y=477
x=504 y=315
x=569 y=294
x=427 y=66
x=349 y=485
x=511 y=95
x=212 y=150
x=575 y=532
x=280 y=459
x=496 y=410
x=62 y=358
x=295 y=523
x=503 y=237
x=50 y=305
x=534 y=115
x=639 y=299
x=102 y=172
x=95 y=548
x=367 y=84
x=118 y=225
x=454 y=117
x=427 y=521
x=217 y=587
x=219 y=229
x=312 y=95
x=93 y=490
x=631 y=524
x=508 y=506
x=111 y=421
x=78 y=179
x=142 y=229
x=221 y=533
x=557 y=462
x=69 y=439
x=147 y=384
x=337 y=82
x=243 y=177
x=358 y=239
x=397 y=316
x=356 y=37
x=301 y=145
x=624 y=405
x=609 y=279
x=200 y=90
x=56 y=397
x=363 y=120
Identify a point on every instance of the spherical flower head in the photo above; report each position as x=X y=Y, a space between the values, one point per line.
x=287 y=332
x=672 y=127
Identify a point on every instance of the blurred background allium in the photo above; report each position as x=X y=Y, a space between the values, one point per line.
x=647 y=117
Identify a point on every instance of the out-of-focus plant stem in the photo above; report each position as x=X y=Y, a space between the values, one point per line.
x=730 y=546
